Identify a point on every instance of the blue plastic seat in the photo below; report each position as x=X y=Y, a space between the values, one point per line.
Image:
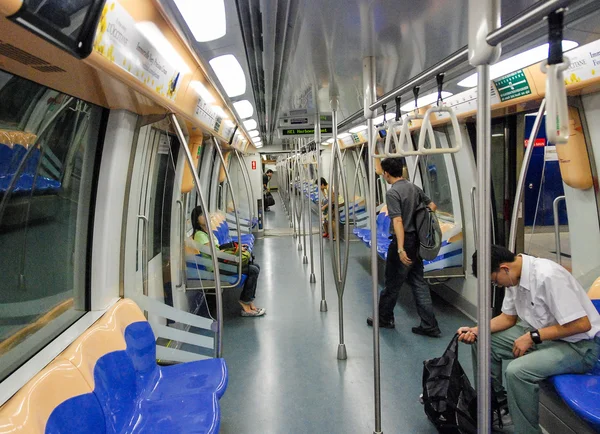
x=581 y=392
x=132 y=394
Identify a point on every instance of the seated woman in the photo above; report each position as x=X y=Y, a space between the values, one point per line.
x=200 y=236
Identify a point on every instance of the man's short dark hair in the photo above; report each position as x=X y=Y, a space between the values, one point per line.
x=500 y=255
x=394 y=166
x=269 y=171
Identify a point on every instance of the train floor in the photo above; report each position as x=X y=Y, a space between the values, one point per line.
x=284 y=372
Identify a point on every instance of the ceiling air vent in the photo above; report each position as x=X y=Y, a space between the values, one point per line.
x=25 y=58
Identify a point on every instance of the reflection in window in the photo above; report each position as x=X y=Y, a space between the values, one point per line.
x=47 y=150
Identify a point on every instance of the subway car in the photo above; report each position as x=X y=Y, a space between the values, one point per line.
x=203 y=205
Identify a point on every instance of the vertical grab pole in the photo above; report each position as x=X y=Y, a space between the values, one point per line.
x=323 y=306
x=298 y=194
x=303 y=198
x=339 y=272
x=213 y=248
x=313 y=279
x=484 y=17
x=293 y=188
x=369 y=89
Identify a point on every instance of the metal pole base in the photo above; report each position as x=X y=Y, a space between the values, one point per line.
x=342 y=355
x=305 y=260
x=295 y=235
x=377 y=432
x=313 y=279
x=323 y=306
x=299 y=247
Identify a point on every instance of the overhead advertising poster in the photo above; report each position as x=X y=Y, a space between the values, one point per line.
x=119 y=39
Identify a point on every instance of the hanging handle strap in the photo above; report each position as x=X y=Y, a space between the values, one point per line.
x=427 y=129
x=557 y=120
x=398 y=100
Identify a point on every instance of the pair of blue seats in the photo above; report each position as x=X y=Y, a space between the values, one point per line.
x=108 y=382
x=581 y=392
x=224 y=237
x=383 y=234
x=10 y=159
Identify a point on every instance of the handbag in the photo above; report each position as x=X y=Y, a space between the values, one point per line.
x=232 y=249
x=268 y=199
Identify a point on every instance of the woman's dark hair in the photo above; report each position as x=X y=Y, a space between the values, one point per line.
x=196 y=212
x=393 y=166
x=323 y=182
x=500 y=255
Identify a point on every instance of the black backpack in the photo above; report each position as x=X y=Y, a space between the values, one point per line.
x=449 y=399
x=429 y=231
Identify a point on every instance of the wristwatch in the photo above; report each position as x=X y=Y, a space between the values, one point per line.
x=535 y=336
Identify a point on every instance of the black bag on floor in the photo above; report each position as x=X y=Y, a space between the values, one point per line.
x=268 y=198
x=449 y=399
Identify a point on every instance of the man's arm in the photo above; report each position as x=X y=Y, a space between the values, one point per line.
x=499 y=323
x=399 y=231
x=551 y=333
x=432 y=206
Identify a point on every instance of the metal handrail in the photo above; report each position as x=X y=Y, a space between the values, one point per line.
x=512 y=238
x=182 y=267
x=249 y=190
x=213 y=247
x=557 y=227
x=474 y=214
x=323 y=305
x=237 y=217
x=144 y=220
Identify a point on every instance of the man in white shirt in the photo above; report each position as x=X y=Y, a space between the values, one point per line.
x=548 y=326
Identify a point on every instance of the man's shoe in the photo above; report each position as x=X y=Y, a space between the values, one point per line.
x=432 y=333
x=382 y=324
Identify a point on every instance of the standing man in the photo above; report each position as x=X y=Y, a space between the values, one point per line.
x=403 y=261
x=266 y=178
x=556 y=334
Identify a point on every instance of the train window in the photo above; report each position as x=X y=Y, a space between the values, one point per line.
x=47 y=163
x=436 y=182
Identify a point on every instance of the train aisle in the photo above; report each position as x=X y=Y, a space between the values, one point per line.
x=284 y=374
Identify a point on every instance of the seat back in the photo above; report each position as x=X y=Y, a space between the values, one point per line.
x=100 y=354
x=594 y=294
x=57 y=400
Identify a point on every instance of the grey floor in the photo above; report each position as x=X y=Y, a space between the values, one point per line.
x=284 y=376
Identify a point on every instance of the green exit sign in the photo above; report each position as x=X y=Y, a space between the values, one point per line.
x=513 y=85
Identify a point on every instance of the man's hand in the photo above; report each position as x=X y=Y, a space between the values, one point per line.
x=405 y=259
x=522 y=344
x=468 y=335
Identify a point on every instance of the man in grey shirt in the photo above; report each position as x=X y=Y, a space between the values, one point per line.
x=403 y=261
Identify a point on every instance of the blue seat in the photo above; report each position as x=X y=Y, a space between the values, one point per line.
x=581 y=392
x=132 y=394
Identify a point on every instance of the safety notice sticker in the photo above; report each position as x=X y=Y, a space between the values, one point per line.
x=513 y=85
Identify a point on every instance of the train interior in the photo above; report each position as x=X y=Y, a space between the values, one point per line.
x=106 y=155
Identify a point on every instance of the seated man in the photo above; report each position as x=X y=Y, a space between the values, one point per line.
x=556 y=333
x=200 y=235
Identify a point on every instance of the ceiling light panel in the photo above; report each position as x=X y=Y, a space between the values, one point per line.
x=256 y=139
x=230 y=74
x=213 y=24
x=243 y=108
x=253 y=133
x=250 y=124
x=358 y=129
x=219 y=111
x=343 y=135
x=519 y=61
